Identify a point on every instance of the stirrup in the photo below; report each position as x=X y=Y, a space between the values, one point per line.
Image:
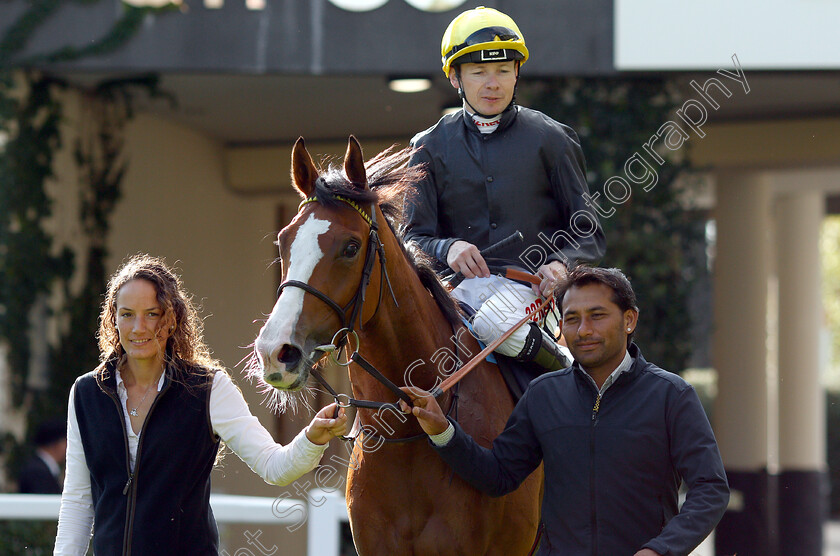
x=541 y=349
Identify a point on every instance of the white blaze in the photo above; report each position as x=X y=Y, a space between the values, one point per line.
x=304 y=255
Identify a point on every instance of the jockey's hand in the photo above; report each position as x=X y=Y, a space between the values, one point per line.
x=646 y=552
x=324 y=426
x=550 y=274
x=426 y=409
x=465 y=258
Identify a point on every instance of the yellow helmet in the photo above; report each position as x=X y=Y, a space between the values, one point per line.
x=482 y=35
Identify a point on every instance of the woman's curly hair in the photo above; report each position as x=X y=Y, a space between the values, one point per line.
x=186 y=338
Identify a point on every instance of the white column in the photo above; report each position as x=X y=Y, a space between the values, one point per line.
x=802 y=458
x=742 y=262
x=740 y=347
x=801 y=397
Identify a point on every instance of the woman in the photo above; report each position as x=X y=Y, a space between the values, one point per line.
x=144 y=427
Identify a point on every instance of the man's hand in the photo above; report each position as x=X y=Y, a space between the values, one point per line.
x=550 y=273
x=465 y=258
x=324 y=427
x=647 y=552
x=426 y=409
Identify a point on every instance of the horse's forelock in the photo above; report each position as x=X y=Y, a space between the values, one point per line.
x=390 y=180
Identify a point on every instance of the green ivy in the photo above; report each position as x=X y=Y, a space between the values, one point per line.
x=30 y=115
x=19 y=33
x=29 y=538
x=830 y=259
x=651 y=236
x=102 y=166
x=27 y=266
x=30 y=268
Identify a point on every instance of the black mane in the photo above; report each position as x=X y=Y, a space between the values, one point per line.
x=390 y=182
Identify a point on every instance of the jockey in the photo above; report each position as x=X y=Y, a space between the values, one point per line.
x=494 y=168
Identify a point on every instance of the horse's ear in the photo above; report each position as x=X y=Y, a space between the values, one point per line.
x=354 y=164
x=304 y=172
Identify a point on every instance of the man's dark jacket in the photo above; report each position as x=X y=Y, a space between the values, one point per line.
x=528 y=175
x=36 y=478
x=611 y=475
x=163 y=507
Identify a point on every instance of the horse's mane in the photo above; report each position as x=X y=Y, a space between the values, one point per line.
x=391 y=181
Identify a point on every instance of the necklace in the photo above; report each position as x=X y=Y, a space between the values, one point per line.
x=133 y=412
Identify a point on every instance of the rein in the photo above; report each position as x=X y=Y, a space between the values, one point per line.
x=357 y=358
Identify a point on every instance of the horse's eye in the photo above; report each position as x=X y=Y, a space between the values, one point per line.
x=351 y=250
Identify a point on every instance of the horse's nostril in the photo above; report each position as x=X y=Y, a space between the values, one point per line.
x=289 y=355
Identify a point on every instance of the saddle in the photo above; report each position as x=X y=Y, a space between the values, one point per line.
x=518 y=374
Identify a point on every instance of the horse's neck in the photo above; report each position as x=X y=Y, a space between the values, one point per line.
x=403 y=340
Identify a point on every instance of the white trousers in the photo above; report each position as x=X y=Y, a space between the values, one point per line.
x=500 y=303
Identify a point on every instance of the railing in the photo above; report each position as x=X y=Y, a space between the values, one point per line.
x=325 y=510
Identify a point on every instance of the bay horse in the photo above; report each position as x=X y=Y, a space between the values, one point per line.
x=338 y=283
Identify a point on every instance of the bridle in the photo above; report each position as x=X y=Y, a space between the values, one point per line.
x=354 y=306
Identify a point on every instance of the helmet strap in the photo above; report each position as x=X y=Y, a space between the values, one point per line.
x=515 y=84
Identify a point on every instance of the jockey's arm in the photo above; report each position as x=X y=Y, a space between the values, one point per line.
x=550 y=274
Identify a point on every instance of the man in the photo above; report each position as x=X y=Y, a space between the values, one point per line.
x=40 y=474
x=616 y=435
x=494 y=168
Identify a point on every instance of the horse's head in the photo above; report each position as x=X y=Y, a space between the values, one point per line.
x=323 y=254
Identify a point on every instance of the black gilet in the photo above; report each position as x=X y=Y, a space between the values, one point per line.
x=163 y=507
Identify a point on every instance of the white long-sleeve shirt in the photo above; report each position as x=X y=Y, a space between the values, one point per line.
x=232 y=421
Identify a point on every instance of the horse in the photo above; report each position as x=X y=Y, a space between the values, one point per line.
x=402 y=325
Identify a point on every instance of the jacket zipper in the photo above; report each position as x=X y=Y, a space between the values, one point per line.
x=592 y=513
x=133 y=496
x=130 y=487
x=127 y=462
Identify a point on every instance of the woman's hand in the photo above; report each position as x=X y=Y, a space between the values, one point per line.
x=324 y=426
